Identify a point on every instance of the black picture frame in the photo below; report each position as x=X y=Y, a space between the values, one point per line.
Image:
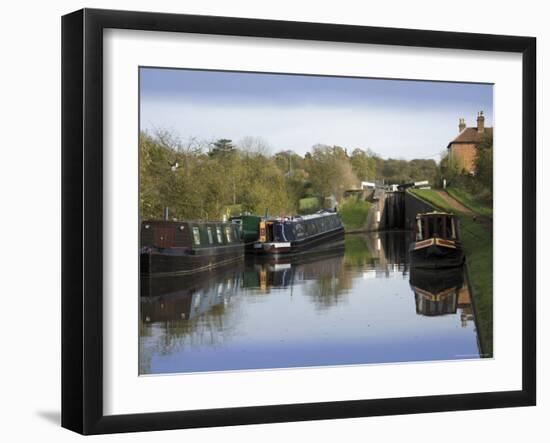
x=82 y=216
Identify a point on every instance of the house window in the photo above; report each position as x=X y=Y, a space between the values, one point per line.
x=196 y=236
x=219 y=235
x=209 y=231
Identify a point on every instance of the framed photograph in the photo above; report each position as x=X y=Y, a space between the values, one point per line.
x=268 y=221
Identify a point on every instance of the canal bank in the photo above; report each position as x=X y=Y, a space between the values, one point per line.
x=477 y=240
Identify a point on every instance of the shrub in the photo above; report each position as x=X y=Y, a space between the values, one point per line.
x=353 y=212
x=308 y=205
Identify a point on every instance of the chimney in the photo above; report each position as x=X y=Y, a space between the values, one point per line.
x=461 y=125
x=480 y=122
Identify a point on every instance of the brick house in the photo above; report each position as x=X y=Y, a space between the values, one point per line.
x=462 y=150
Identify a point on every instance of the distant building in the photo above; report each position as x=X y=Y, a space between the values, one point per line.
x=462 y=150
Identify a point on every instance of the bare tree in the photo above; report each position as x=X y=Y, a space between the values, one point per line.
x=254 y=146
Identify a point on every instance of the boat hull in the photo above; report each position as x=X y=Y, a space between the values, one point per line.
x=184 y=261
x=436 y=281
x=436 y=253
x=317 y=243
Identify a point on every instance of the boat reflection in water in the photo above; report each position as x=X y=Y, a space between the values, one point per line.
x=346 y=305
x=442 y=292
x=188 y=297
x=266 y=272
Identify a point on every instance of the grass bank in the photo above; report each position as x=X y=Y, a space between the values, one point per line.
x=354 y=213
x=477 y=239
x=471 y=202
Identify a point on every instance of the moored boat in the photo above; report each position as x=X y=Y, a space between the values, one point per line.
x=249 y=227
x=295 y=235
x=186 y=247
x=437 y=243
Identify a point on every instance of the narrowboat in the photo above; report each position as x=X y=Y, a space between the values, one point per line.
x=295 y=235
x=249 y=227
x=437 y=243
x=186 y=247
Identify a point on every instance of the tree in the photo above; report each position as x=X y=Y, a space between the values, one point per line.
x=363 y=165
x=484 y=163
x=199 y=180
x=330 y=171
x=449 y=170
x=254 y=146
x=222 y=146
x=423 y=169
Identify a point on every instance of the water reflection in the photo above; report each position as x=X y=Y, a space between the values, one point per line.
x=356 y=304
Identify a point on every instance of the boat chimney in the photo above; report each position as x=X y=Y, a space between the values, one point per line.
x=480 y=122
x=166 y=213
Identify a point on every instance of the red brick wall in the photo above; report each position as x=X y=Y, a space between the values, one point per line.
x=464 y=155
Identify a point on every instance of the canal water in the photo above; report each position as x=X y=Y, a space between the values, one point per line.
x=357 y=304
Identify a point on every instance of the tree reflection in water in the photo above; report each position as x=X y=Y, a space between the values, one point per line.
x=181 y=312
x=227 y=318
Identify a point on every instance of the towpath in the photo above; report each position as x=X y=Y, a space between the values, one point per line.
x=455 y=204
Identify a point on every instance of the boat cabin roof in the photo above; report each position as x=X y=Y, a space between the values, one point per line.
x=194 y=222
x=303 y=218
x=436 y=224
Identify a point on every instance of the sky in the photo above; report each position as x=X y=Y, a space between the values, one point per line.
x=394 y=118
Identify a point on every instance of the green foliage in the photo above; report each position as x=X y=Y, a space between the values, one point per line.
x=196 y=185
x=308 y=205
x=363 y=164
x=403 y=171
x=330 y=171
x=353 y=212
x=198 y=179
x=222 y=146
x=233 y=210
x=484 y=164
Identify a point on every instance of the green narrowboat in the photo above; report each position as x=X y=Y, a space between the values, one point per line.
x=249 y=227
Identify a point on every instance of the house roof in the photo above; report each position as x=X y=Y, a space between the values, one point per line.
x=470 y=135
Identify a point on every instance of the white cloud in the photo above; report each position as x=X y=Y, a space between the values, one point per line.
x=398 y=133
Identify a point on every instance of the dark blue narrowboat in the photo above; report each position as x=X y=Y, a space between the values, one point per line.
x=295 y=235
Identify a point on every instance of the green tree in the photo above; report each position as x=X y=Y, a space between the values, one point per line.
x=330 y=171
x=484 y=163
x=222 y=146
x=363 y=165
x=449 y=170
